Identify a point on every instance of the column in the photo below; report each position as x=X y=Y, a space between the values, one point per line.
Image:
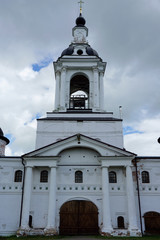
x=131 y=200
x=62 y=94
x=51 y=225
x=96 y=88
x=101 y=95
x=57 y=103
x=91 y=91
x=107 y=226
x=26 y=198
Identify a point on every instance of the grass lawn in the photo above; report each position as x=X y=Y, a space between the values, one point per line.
x=73 y=237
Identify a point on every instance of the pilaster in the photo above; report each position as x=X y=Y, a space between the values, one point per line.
x=57 y=103
x=107 y=226
x=26 y=198
x=101 y=95
x=51 y=225
x=131 y=202
x=96 y=87
x=62 y=89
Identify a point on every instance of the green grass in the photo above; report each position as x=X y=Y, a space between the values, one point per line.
x=72 y=237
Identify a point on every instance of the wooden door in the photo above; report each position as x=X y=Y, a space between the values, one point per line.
x=78 y=218
x=152 y=222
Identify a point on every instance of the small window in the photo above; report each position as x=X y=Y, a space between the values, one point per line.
x=112 y=177
x=145 y=177
x=18 y=176
x=44 y=176
x=79 y=52
x=120 y=222
x=30 y=221
x=78 y=177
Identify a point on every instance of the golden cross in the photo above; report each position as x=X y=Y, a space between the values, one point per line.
x=81 y=2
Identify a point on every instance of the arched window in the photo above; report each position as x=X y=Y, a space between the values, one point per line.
x=145 y=177
x=112 y=177
x=18 y=176
x=44 y=176
x=120 y=222
x=78 y=177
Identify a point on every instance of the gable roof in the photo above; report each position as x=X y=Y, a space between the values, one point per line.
x=79 y=140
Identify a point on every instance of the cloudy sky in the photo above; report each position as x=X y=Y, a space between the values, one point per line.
x=126 y=34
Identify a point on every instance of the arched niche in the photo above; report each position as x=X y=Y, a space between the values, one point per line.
x=76 y=155
x=79 y=92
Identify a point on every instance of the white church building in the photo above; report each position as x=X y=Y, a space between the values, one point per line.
x=79 y=180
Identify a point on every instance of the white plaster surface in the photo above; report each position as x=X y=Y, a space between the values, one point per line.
x=77 y=143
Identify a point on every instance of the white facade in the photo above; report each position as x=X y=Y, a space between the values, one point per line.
x=79 y=158
x=101 y=126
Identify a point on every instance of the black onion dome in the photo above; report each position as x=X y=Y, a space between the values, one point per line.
x=91 y=52
x=68 y=51
x=1 y=132
x=2 y=137
x=80 y=21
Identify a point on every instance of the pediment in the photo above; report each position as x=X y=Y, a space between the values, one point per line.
x=78 y=141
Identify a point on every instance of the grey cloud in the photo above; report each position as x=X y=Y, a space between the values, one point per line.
x=126 y=34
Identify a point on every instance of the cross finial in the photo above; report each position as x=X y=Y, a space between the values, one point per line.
x=81 y=2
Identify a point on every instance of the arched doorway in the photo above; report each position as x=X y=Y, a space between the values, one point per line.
x=120 y=222
x=152 y=222
x=78 y=218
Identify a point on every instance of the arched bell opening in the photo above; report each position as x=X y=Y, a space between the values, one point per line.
x=79 y=92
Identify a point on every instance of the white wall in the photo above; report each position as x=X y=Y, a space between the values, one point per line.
x=90 y=190
x=10 y=195
x=50 y=131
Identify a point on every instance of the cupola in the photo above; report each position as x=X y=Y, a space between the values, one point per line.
x=79 y=74
x=80 y=21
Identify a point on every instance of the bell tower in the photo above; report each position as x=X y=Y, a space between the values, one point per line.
x=79 y=74
x=79 y=96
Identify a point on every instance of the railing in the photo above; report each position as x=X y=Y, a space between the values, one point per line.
x=78 y=102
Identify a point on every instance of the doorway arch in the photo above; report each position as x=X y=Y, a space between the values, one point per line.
x=78 y=217
x=152 y=222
